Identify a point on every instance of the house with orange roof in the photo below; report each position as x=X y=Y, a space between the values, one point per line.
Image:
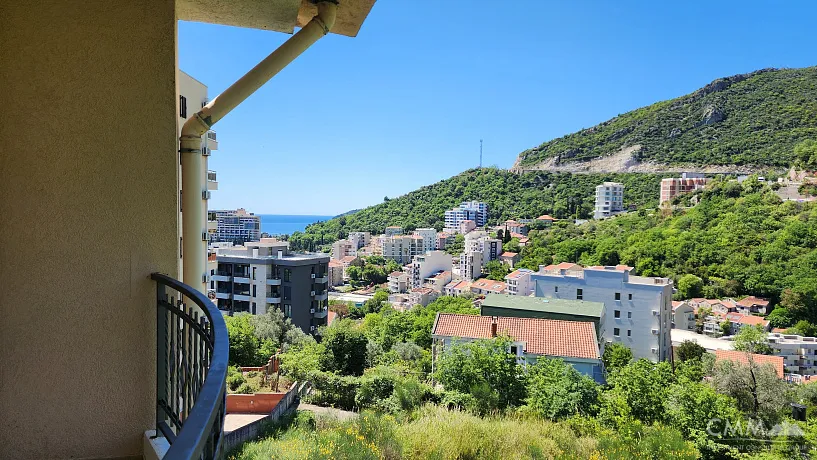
x=744 y=358
x=485 y=286
x=514 y=227
x=456 y=288
x=422 y=296
x=574 y=342
x=739 y=320
x=753 y=304
x=683 y=316
x=399 y=282
x=335 y=272
x=438 y=281
x=509 y=258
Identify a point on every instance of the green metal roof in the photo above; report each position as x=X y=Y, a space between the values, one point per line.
x=544 y=304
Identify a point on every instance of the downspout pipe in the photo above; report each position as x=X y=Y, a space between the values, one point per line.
x=194 y=205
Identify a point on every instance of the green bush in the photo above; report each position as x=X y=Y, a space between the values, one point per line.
x=253 y=374
x=453 y=399
x=375 y=386
x=335 y=390
x=246 y=388
x=235 y=380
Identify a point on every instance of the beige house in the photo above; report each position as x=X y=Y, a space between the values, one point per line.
x=335 y=272
x=90 y=132
x=683 y=316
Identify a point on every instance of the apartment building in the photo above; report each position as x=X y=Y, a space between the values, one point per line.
x=422 y=296
x=401 y=248
x=514 y=227
x=638 y=309
x=509 y=258
x=399 y=282
x=429 y=236
x=343 y=248
x=480 y=241
x=443 y=240
x=674 y=186
x=235 y=226
x=466 y=226
x=799 y=353
x=609 y=200
x=427 y=264
x=485 y=286
x=335 y=272
x=393 y=230
x=263 y=275
x=470 y=266
x=467 y=210
x=438 y=281
x=456 y=288
x=359 y=239
x=519 y=282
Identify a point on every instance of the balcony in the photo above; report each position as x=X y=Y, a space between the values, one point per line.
x=321 y=313
x=212 y=180
x=275 y=299
x=242 y=278
x=322 y=296
x=273 y=281
x=321 y=279
x=223 y=295
x=211 y=141
x=191 y=370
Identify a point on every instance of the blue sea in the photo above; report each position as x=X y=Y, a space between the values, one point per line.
x=280 y=224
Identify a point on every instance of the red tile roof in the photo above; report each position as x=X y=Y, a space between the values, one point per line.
x=550 y=337
x=348 y=258
x=561 y=266
x=489 y=285
x=743 y=358
x=514 y=274
x=545 y=217
x=753 y=320
x=752 y=300
x=517 y=235
x=458 y=285
x=335 y=263
x=395 y=274
x=508 y=254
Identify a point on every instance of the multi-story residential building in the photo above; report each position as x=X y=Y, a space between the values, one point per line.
x=427 y=264
x=753 y=304
x=519 y=282
x=638 y=309
x=509 y=258
x=393 y=230
x=514 y=227
x=737 y=321
x=609 y=199
x=264 y=275
x=422 y=296
x=456 y=288
x=87 y=366
x=236 y=226
x=347 y=262
x=335 y=272
x=799 y=353
x=359 y=239
x=443 y=240
x=438 y=281
x=468 y=210
x=401 y=248
x=535 y=307
x=574 y=342
x=470 y=266
x=192 y=97
x=429 y=236
x=480 y=241
x=683 y=316
x=466 y=226
x=343 y=248
x=673 y=186
x=399 y=282
x=485 y=286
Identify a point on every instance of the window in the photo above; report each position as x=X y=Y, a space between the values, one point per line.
x=182 y=106
x=618 y=296
x=629 y=332
x=629 y=297
x=254 y=294
x=616 y=332
x=629 y=315
x=253 y=274
x=579 y=294
x=287 y=273
x=513 y=350
x=288 y=311
x=253 y=308
x=555 y=288
x=617 y=314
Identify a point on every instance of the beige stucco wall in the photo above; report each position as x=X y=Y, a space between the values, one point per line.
x=88 y=209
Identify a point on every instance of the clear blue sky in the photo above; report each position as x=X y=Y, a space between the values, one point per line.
x=405 y=103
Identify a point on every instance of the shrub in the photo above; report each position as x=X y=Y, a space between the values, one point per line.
x=246 y=388
x=375 y=386
x=453 y=399
x=253 y=374
x=408 y=394
x=335 y=390
x=235 y=380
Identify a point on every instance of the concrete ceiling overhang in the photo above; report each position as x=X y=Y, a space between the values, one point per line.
x=277 y=15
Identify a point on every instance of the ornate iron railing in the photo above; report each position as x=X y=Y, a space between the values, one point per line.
x=191 y=369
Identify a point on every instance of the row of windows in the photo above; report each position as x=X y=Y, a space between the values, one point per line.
x=617 y=332
x=580 y=294
x=617 y=314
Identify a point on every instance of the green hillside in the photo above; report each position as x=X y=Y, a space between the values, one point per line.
x=752 y=119
x=508 y=195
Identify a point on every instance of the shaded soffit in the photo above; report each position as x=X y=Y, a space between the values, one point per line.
x=277 y=15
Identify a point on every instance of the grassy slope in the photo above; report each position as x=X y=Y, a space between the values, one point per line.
x=764 y=116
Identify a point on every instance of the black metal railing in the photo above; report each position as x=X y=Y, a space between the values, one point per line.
x=191 y=369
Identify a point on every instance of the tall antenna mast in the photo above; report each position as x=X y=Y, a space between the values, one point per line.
x=480 y=154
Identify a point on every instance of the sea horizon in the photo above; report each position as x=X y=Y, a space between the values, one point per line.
x=287 y=224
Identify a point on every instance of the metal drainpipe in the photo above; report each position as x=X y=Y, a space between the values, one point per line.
x=194 y=247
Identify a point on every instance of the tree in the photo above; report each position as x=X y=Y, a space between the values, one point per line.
x=804 y=328
x=484 y=369
x=693 y=407
x=557 y=390
x=726 y=328
x=301 y=361
x=345 y=348
x=689 y=286
x=643 y=386
x=616 y=356
x=500 y=235
x=689 y=350
x=276 y=328
x=756 y=387
x=243 y=342
x=496 y=270
x=753 y=339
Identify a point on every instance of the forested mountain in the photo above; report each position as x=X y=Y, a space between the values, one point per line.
x=509 y=196
x=743 y=121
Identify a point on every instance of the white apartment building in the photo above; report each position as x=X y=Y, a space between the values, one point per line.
x=468 y=210
x=235 y=226
x=429 y=236
x=393 y=230
x=799 y=353
x=466 y=226
x=399 y=282
x=638 y=309
x=609 y=199
x=192 y=97
x=480 y=241
x=519 y=282
x=359 y=239
x=401 y=248
x=427 y=264
x=343 y=248
x=470 y=265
